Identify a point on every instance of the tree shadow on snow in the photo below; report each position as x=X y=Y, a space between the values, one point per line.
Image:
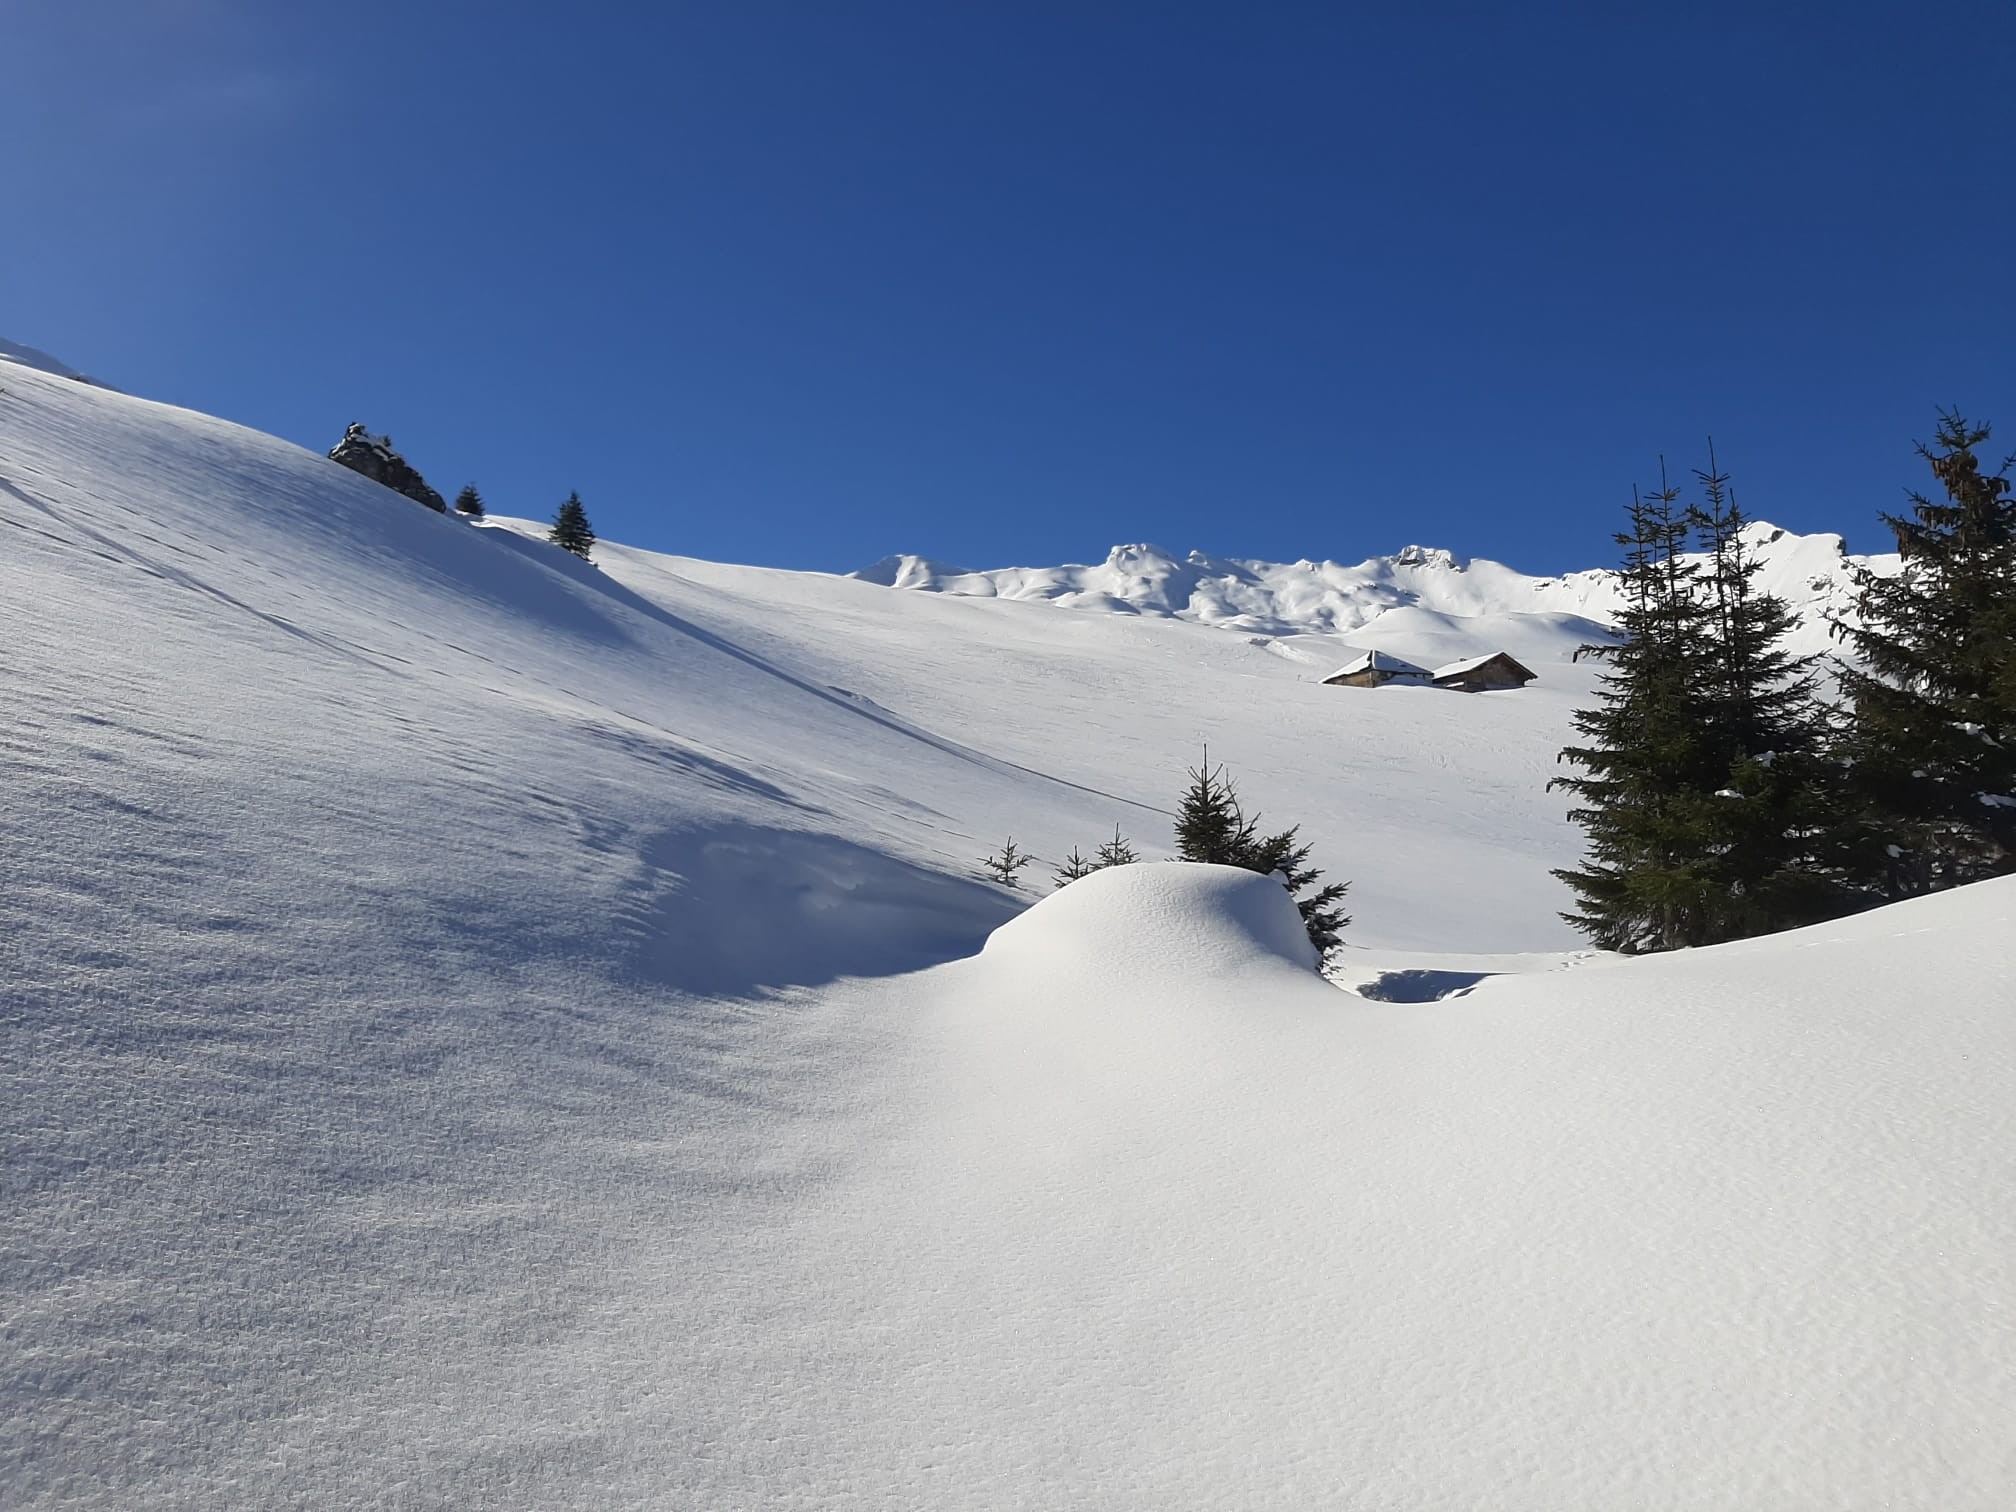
x=1419 y=986
x=736 y=910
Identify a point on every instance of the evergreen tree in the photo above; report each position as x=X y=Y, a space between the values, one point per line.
x=1650 y=769
x=1775 y=826
x=1211 y=827
x=1322 y=911
x=1115 y=852
x=1003 y=866
x=571 y=529
x=1932 y=750
x=469 y=502
x=1074 y=867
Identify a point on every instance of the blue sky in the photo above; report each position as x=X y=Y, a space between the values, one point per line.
x=805 y=284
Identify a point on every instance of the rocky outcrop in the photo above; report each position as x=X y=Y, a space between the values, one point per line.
x=362 y=452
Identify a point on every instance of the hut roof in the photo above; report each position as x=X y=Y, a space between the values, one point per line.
x=1471 y=664
x=1379 y=661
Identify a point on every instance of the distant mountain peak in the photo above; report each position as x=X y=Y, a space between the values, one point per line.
x=1429 y=556
x=1812 y=573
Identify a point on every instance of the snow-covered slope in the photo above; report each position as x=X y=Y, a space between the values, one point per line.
x=1811 y=573
x=461 y=1043
x=1153 y=1219
x=12 y=352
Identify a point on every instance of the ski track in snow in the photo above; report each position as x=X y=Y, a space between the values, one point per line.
x=480 y=1030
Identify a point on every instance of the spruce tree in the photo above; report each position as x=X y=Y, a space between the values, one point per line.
x=1212 y=827
x=1115 y=852
x=571 y=529
x=1075 y=866
x=1650 y=773
x=1209 y=826
x=1775 y=825
x=469 y=502
x=1932 y=748
x=1004 y=864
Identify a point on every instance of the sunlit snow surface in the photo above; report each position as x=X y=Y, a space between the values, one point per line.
x=465 y=1044
x=1384 y=602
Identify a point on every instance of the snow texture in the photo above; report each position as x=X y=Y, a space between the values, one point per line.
x=477 y=1030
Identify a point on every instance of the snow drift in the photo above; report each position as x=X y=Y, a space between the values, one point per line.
x=480 y=1029
x=1174 y=919
x=1162 y=1221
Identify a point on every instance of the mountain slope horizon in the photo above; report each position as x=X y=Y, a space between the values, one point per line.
x=490 y=1029
x=1810 y=572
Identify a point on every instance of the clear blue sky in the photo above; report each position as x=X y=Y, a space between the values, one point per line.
x=808 y=283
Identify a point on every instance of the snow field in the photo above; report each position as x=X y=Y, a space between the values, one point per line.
x=1156 y=1219
x=480 y=1030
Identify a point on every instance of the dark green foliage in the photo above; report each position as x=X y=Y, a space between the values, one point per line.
x=1649 y=770
x=1932 y=751
x=469 y=502
x=571 y=529
x=1706 y=792
x=1075 y=866
x=1211 y=827
x=1115 y=852
x=1775 y=824
x=1003 y=865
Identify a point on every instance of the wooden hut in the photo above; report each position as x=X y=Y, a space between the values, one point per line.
x=1480 y=674
x=1373 y=669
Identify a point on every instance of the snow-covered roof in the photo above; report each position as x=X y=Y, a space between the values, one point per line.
x=1471 y=664
x=1379 y=661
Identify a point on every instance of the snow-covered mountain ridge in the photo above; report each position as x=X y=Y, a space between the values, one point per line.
x=1811 y=573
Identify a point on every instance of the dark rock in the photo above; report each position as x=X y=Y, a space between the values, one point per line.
x=362 y=452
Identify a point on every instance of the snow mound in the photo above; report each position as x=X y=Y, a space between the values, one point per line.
x=1159 y=918
x=1161 y=1235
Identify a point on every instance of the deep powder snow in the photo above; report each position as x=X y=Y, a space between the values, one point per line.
x=484 y=1030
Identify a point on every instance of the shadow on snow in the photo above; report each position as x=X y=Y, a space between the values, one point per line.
x=738 y=909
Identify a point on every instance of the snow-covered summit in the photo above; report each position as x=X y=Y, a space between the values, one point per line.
x=1810 y=572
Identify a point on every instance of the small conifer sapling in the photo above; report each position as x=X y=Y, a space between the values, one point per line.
x=1118 y=851
x=1005 y=863
x=1209 y=826
x=1075 y=866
